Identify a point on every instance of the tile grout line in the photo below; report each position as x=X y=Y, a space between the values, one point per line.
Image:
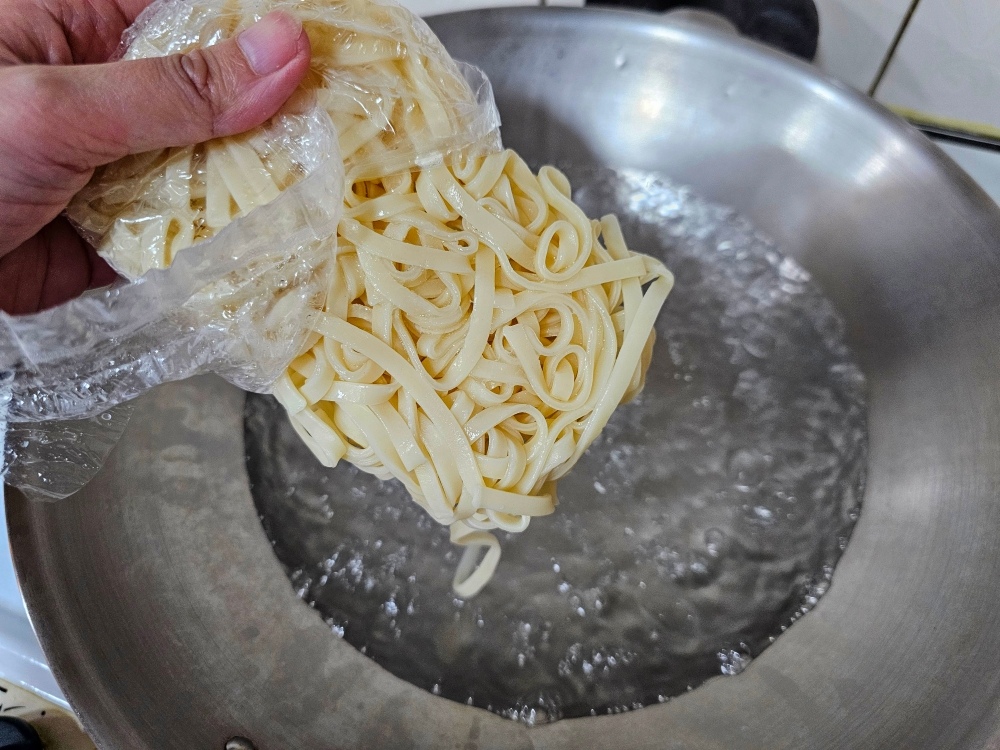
x=880 y=73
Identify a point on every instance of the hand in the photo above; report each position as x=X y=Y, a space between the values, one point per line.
x=65 y=110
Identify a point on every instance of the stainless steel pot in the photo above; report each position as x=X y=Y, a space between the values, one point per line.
x=170 y=624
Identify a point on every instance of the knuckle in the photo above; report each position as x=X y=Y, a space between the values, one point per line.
x=199 y=82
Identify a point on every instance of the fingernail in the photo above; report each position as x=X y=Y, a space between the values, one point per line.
x=271 y=43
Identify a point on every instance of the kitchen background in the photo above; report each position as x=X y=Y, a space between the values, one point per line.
x=933 y=61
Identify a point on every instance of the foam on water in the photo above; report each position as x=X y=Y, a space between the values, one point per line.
x=707 y=517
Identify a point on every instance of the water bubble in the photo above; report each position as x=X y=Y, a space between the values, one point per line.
x=732 y=662
x=714 y=540
x=532 y=716
x=789 y=269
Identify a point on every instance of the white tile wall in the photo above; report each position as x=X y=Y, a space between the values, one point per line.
x=947 y=63
x=855 y=35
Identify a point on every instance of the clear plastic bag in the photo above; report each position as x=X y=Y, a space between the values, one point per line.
x=238 y=305
x=228 y=245
x=141 y=211
x=395 y=97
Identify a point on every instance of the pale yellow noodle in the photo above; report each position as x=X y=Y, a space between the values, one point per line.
x=488 y=384
x=479 y=329
x=392 y=92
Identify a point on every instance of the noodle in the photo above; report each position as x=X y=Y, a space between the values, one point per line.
x=467 y=356
x=393 y=93
x=479 y=329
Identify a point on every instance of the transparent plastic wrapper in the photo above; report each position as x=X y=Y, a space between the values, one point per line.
x=395 y=97
x=238 y=304
x=479 y=329
x=450 y=319
x=382 y=96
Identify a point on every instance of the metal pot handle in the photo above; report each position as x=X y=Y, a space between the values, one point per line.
x=701 y=19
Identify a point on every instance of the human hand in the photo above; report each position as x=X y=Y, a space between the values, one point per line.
x=66 y=110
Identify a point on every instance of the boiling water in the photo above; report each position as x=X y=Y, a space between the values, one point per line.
x=704 y=521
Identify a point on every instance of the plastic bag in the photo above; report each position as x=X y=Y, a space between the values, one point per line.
x=237 y=305
x=227 y=281
x=395 y=97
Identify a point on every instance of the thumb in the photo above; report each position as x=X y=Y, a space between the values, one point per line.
x=89 y=115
